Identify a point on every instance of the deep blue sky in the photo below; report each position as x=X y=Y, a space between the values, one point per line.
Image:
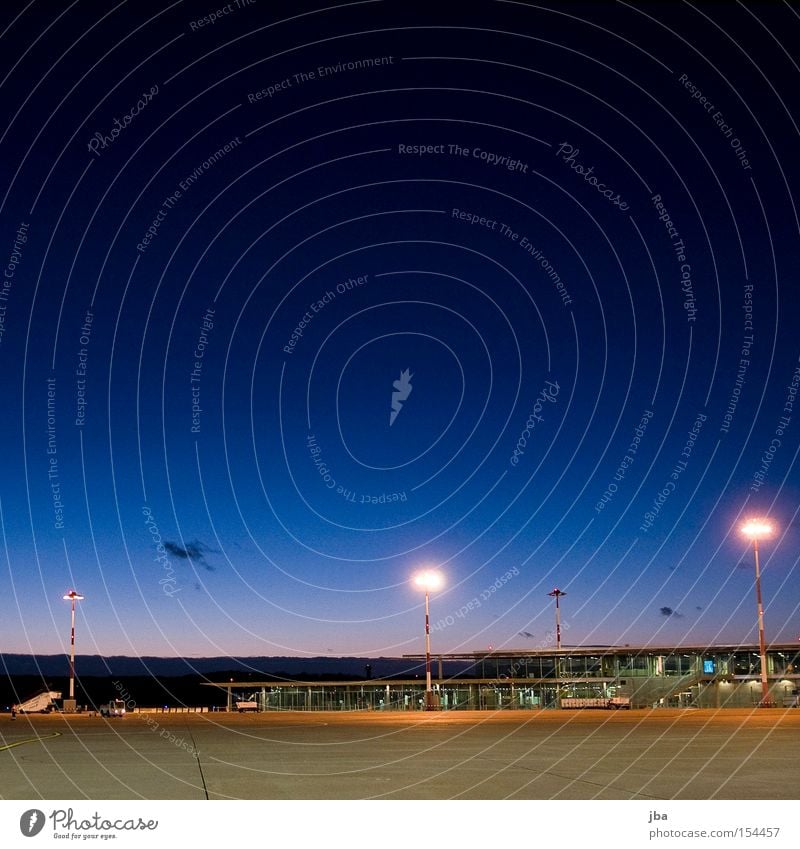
x=291 y=512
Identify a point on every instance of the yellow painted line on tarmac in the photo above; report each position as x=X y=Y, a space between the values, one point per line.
x=30 y=740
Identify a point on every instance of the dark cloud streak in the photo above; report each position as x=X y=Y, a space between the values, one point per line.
x=193 y=550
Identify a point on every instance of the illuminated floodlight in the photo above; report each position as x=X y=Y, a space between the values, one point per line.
x=757 y=528
x=428 y=580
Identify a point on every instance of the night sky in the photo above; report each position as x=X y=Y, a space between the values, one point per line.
x=298 y=299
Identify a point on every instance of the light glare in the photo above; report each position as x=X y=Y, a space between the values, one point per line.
x=757 y=528
x=428 y=580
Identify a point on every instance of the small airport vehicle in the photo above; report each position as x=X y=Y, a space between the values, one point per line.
x=615 y=703
x=246 y=706
x=116 y=707
x=41 y=703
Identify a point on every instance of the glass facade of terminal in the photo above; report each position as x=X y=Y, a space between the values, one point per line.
x=713 y=677
x=621 y=664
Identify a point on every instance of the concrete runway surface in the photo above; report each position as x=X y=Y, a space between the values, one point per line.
x=595 y=754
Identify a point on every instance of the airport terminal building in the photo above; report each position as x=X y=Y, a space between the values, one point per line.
x=644 y=677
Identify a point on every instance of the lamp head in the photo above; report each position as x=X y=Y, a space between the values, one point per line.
x=757 y=528
x=428 y=580
x=73 y=596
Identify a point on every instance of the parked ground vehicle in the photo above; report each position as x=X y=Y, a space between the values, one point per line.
x=245 y=706
x=116 y=707
x=41 y=703
x=615 y=703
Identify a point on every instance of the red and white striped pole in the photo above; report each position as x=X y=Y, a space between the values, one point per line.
x=73 y=597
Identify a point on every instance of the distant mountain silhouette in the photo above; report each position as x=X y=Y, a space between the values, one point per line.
x=249 y=667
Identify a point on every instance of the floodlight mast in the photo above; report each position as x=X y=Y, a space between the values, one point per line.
x=557 y=593
x=72 y=596
x=428 y=580
x=756 y=529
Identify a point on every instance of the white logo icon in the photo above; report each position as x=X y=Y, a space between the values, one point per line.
x=403 y=389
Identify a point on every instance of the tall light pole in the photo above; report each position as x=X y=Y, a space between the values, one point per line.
x=73 y=597
x=556 y=594
x=428 y=580
x=756 y=529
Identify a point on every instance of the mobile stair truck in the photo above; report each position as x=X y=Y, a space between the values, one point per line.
x=41 y=703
